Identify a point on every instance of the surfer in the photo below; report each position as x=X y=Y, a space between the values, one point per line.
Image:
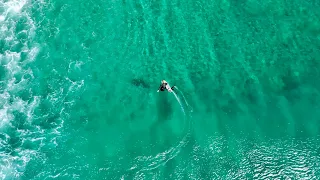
x=164 y=85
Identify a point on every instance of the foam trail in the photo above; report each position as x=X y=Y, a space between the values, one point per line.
x=179 y=102
x=182 y=96
x=163 y=157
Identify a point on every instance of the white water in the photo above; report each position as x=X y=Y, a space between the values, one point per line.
x=14 y=158
x=25 y=135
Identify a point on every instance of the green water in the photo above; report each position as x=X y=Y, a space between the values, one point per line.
x=79 y=79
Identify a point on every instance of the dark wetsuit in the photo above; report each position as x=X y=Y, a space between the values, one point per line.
x=163 y=87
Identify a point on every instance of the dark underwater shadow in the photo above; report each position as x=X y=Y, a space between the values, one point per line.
x=140 y=83
x=164 y=111
x=164 y=107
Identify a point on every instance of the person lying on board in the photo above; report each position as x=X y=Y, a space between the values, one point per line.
x=165 y=86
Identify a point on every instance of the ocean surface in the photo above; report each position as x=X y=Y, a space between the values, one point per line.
x=79 y=80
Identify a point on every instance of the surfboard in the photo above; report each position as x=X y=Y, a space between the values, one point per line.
x=168 y=87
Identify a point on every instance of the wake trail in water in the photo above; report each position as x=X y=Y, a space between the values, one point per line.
x=183 y=98
x=175 y=95
x=148 y=163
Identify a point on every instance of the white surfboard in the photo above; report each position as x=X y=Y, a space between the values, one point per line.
x=167 y=87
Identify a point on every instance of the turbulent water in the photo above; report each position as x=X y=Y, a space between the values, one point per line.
x=79 y=79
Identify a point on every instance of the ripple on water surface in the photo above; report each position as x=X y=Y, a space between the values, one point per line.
x=60 y=118
x=217 y=158
x=23 y=136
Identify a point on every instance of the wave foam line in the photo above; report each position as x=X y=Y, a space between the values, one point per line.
x=15 y=77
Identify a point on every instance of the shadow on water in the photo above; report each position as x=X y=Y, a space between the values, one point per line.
x=140 y=83
x=157 y=129
x=164 y=108
x=250 y=91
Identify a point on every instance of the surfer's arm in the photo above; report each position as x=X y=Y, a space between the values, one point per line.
x=159 y=88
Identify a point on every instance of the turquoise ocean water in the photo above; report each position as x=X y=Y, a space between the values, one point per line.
x=78 y=82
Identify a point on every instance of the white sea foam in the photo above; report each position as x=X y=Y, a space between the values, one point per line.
x=12 y=166
x=29 y=134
